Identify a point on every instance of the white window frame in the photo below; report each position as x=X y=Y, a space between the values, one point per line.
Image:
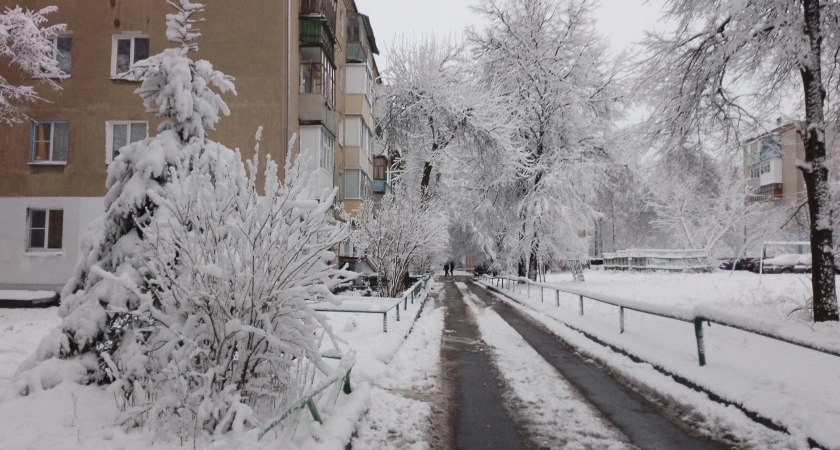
x=365 y=138
x=109 y=135
x=50 y=161
x=118 y=37
x=54 y=42
x=47 y=230
x=327 y=152
x=369 y=84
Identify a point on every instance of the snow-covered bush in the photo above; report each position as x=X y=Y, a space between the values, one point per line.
x=25 y=45
x=191 y=292
x=401 y=233
x=225 y=330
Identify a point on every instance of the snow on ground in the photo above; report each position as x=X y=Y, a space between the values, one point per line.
x=72 y=416
x=795 y=387
x=403 y=390
x=554 y=414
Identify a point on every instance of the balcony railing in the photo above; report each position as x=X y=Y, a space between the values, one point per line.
x=320 y=9
x=356 y=53
x=314 y=32
x=380 y=186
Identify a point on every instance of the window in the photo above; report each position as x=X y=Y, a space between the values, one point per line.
x=369 y=85
x=62 y=46
x=380 y=168
x=357 y=185
x=48 y=142
x=118 y=134
x=126 y=51
x=765 y=167
x=317 y=74
x=365 y=138
x=327 y=151
x=44 y=229
x=352 y=187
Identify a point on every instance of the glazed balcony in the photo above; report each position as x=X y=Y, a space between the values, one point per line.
x=319 y=10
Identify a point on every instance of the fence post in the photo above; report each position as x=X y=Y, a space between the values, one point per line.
x=557 y=297
x=621 y=319
x=398 y=312
x=542 y=294
x=385 y=322
x=701 y=345
x=412 y=297
x=314 y=411
x=581 y=305
x=528 y=287
x=347 y=389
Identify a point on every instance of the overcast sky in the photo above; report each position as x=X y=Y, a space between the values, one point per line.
x=621 y=21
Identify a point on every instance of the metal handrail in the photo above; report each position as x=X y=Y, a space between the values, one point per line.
x=688 y=316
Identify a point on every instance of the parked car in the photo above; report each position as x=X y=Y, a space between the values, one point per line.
x=803 y=265
x=739 y=263
x=780 y=264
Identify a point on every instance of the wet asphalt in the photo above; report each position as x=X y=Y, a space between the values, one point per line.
x=479 y=420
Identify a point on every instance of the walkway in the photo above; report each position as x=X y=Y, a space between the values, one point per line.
x=479 y=419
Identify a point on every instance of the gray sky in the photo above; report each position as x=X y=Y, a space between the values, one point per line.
x=621 y=21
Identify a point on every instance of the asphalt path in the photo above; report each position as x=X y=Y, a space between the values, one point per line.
x=478 y=417
x=637 y=417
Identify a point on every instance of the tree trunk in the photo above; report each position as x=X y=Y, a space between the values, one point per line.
x=815 y=172
x=533 y=260
x=577 y=270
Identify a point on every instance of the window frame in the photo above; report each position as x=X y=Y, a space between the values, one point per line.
x=109 y=135
x=132 y=50
x=365 y=185
x=47 y=229
x=326 y=83
x=55 y=52
x=50 y=161
x=326 y=154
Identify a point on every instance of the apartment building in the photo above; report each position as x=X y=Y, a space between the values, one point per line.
x=770 y=166
x=302 y=68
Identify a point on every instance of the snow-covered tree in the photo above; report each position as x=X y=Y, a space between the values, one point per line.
x=433 y=108
x=402 y=232
x=226 y=339
x=191 y=295
x=726 y=62
x=547 y=58
x=699 y=201
x=25 y=45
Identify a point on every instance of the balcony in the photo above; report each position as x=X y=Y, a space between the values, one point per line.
x=380 y=186
x=314 y=110
x=314 y=32
x=320 y=10
x=356 y=53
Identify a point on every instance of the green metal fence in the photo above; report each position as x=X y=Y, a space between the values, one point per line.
x=697 y=320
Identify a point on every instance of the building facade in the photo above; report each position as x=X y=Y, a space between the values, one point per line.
x=302 y=68
x=770 y=166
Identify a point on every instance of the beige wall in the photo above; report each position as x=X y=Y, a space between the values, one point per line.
x=248 y=43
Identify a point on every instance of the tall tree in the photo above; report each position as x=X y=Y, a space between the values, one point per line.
x=25 y=44
x=728 y=61
x=548 y=59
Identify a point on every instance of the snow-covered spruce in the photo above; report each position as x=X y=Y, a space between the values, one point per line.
x=25 y=44
x=191 y=292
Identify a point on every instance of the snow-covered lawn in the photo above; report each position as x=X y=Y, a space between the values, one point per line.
x=795 y=387
x=72 y=416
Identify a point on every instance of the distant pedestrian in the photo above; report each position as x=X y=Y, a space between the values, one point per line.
x=447 y=269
